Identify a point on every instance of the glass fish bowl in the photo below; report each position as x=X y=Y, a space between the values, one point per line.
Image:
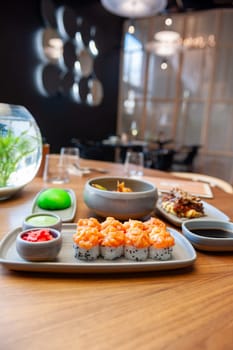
x=20 y=149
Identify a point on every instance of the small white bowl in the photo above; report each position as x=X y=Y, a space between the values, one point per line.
x=122 y=205
x=39 y=251
x=42 y=220
x=209 y=235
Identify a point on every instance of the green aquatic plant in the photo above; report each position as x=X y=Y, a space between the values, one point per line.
x=12 y=150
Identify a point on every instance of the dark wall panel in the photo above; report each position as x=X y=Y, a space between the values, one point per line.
x=58 y=117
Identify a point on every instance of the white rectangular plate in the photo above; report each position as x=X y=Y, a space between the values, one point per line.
x=210 y=213
x=66 y=215
x=183 y=255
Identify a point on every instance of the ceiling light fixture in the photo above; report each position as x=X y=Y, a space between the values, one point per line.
x=167 y=36
x=166 y=43
x=162 y=49
x=134 y=8
x=164 y=65
x=131 y=29
x=168 y=21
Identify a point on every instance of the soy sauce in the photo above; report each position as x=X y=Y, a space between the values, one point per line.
x=213 y=233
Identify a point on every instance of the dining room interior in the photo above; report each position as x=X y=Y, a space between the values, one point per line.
x=116 y=175
x=89 y=75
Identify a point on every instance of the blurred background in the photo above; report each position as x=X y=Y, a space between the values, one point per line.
x=87 y=74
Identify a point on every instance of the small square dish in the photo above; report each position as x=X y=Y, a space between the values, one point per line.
x=66 y=215
x=210 y=211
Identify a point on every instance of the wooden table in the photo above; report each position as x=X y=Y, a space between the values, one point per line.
x=190 y=308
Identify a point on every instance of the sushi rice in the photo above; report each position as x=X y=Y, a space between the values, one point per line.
x=137 y=254
x=111 y=253
x=86 y=254
x=160 y=253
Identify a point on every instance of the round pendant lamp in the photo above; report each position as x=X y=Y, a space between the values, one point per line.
x=166 y=43
x=134 y=8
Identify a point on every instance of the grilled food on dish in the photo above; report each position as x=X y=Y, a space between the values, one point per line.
x=182 y=204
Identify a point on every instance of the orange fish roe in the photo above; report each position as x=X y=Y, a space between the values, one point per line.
x=112 y=233
x=112 y=238
x=90 y=222
x=161 y=240
x=155 y=224
x=86 y=237
x=134 y=224
x=139 y=239
x=136 y=234
x=110 y=221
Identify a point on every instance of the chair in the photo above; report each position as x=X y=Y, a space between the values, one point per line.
x=162 y=159
x=186 y=163
x=211 y=180
x=93 y=150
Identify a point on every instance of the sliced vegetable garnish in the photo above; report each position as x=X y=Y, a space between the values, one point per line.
x=99 y=187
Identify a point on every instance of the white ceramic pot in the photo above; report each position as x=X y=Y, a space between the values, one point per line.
x=121 y=205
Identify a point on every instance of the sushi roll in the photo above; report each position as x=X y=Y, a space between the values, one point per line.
x=86 y=239
x=112 y=239
x=161 y=245
x=136 y=241
x=161 y=241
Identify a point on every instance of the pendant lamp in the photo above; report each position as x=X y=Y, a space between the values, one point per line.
x=134 y=8
x=166 y=43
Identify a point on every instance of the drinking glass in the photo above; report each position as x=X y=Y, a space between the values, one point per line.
x=70 y=158
x=134 y=163
x=54 y=170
